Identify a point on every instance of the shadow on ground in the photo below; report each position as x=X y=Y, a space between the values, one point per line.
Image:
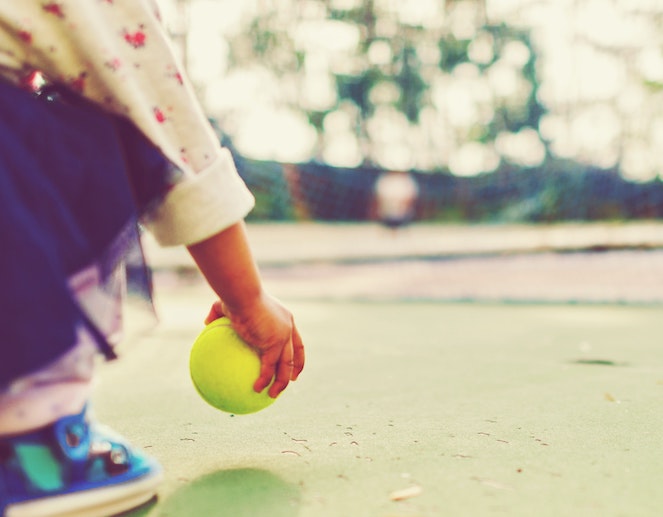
x=242 y=492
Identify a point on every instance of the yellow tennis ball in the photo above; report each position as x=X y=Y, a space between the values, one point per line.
x=224 y=368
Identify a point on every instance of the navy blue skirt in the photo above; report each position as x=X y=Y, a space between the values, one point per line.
x=73 y=180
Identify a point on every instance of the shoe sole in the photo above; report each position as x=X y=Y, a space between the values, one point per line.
x=100 y=502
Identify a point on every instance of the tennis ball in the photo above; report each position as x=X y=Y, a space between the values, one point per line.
x=224 y=368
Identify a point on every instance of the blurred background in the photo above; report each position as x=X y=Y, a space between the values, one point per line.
x=504 y=112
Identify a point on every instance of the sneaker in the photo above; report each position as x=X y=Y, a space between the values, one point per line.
x=73 y=468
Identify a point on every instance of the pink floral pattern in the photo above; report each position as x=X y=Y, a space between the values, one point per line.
x=135 y=38
x=54 y=8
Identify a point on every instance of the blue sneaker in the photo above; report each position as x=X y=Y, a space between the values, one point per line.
x=73 y=468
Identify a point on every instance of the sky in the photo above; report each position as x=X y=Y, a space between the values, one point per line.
x=597 y=62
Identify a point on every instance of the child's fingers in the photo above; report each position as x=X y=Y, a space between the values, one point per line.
x=283 y=370
x=298 y=354
x=268 y=361
x=278 y=368
x=215 y=312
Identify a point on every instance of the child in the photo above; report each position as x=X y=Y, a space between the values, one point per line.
x=115 y=136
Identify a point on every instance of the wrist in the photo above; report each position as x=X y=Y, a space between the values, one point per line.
x=246 y=302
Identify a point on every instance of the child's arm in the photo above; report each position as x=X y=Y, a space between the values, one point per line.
x=227 y=263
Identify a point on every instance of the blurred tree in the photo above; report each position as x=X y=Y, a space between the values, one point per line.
x=412 y=87
x=556 y=106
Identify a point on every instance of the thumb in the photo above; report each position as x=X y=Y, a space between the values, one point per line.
x=215 y=312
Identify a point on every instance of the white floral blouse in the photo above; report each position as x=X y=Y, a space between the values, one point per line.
x=117 y=54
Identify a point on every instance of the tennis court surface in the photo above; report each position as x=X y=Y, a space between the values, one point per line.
x=412 y=405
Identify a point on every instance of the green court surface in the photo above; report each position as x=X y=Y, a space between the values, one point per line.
x=455 y=409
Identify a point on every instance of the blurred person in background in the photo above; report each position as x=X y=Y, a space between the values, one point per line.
x=395 y=199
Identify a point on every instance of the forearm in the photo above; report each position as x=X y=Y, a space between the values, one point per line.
x=227 y=262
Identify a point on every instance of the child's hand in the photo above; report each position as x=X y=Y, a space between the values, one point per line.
x=226 y=261
x=269 y=328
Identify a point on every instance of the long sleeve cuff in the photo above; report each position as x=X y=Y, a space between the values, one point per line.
x=201 y=205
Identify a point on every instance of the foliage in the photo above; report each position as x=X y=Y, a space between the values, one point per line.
x=271 y=40
x=422 y=66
